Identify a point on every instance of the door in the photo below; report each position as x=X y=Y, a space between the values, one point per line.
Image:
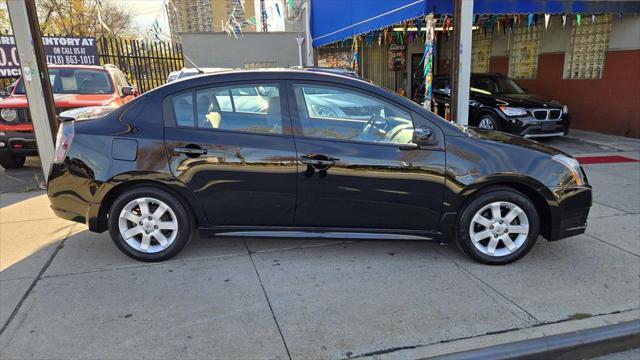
x=232 y=146
x=357 y=168
x=417 y=79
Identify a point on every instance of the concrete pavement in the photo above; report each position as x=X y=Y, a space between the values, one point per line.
x=67 y=293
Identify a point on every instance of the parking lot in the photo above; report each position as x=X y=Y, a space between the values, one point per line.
x=68 y=293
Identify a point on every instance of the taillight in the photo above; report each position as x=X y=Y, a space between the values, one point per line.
x=63 y=141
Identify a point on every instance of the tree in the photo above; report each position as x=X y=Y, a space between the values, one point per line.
x=5 y=24
x=80 y=18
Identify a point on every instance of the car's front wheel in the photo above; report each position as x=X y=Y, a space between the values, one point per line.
x=498 y=226
x=149 y=224
x=488 y=121
x=12 y=162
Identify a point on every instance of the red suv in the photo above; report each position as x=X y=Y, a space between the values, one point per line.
x=73 y=87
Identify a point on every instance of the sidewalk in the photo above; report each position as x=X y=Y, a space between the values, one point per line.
x=67 y=293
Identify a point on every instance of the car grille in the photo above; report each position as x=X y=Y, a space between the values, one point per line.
x=546 y=114
x=25 y=117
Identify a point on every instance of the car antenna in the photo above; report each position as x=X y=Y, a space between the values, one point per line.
x=200 y=71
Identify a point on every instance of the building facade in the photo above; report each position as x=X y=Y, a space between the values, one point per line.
x=208 y=15
x=592 y=67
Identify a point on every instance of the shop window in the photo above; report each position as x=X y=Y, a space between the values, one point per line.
x=523 y=55
x=589 y=43
x=480 y=52
x=334 y=56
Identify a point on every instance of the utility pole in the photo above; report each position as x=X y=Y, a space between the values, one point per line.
x=35 y=75
x=461 y=61
x=263 y=16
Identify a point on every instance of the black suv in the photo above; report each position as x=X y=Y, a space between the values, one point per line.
x=498 y=103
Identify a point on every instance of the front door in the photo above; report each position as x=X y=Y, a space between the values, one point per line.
x=232 y=146
x=357 y=168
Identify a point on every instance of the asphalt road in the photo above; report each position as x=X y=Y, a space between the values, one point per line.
x=67 y=293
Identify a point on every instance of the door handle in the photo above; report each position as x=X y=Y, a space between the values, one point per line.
x=193 y=150
x=318 y=162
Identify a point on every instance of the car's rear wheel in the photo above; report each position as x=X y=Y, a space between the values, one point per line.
x=498 y=226
x=12 y=162
x=488 y=121
x=149 y=224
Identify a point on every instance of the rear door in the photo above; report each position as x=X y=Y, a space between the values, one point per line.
x=232 y=145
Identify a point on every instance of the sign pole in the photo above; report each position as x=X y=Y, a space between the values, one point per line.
x=461 y=62
x=35 y=75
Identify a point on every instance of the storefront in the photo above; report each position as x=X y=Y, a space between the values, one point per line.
x=580 y=59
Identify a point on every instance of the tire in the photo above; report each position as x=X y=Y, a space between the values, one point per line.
x=12 y=162
x=488 y=121
x=166 y=234
x=511 y=243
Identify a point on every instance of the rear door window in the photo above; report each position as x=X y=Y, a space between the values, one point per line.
x=253 y=108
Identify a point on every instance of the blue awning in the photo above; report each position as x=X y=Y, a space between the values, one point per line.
x=335 y=20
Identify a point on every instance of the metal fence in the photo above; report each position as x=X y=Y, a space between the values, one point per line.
x=146 y=63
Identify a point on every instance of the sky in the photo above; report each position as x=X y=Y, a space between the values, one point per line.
x=145 y=12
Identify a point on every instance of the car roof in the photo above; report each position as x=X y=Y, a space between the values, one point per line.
x=271 y=74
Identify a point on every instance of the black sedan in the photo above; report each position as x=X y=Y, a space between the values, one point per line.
x=318 y=155
x=498 y=103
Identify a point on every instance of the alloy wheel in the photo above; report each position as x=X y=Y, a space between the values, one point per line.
x=148 y=225
x=499 y=228
x=486 y=123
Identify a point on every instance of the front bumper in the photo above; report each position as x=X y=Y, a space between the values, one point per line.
x=18 y=143
x=529 y=127
x=569 y=217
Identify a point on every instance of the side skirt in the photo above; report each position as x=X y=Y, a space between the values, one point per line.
x=319 y=233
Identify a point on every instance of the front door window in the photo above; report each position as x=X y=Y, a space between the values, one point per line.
x=342 y=114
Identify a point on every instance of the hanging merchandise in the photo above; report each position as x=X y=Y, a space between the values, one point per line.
x=419 y=26
x=356 y=56
x=564 y=20
x=380 y=38
x=547 y=20
x=578 y=18
x=427 y=59
x=529 y=20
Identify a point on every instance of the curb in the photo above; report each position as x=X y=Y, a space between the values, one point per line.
x=573 y=345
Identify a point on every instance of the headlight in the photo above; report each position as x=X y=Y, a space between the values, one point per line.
x=8 y=114
x=511 y=111
x=565 y=109
x=572 y=165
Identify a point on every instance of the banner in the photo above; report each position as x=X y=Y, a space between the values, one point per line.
x=59 y=50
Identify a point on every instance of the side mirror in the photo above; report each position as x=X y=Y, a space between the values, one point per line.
x=128 y=91
x=423 y=135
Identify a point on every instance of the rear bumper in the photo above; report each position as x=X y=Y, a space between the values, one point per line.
x=18 y=143
x=570 y=216
x=69 y=196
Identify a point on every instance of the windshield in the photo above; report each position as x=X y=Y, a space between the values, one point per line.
x=76 y=81
x=497 y=85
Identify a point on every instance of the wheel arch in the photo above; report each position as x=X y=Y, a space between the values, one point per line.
x=189 y=202
x=540 y=196
x=486 y=110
